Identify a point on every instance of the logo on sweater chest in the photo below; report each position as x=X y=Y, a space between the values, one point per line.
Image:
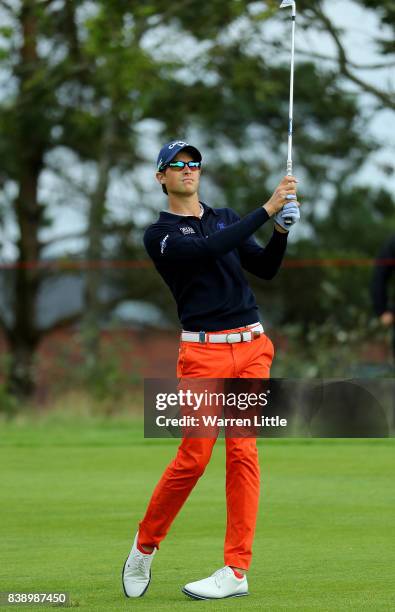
x=163 y=244
x=187 y=229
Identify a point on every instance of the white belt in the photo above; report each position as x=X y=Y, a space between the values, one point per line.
x=251 y=332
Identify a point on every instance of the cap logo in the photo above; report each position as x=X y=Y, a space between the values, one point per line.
x=179 y=143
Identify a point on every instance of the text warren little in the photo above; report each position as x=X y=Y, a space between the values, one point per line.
x=215 y=421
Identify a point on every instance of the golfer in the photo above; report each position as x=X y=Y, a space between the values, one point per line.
x=201 y=252
x=383 y=270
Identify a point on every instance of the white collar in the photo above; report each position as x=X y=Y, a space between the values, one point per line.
x=185 y=215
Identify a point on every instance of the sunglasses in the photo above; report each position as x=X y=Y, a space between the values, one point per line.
x=180 y=165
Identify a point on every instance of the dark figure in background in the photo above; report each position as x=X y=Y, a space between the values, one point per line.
x=385 y=265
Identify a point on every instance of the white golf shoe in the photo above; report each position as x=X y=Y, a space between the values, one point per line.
x=136 y=573
x=223 y=583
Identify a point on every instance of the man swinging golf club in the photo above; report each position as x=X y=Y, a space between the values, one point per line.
x=201 y=252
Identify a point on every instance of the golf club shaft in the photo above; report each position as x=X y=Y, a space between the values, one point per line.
x=291 y=97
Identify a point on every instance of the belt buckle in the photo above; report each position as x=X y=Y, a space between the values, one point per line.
x=255 y=335
x=234 y=334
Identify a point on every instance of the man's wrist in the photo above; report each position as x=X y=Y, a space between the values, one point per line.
x=269 y=209
x=280 y=229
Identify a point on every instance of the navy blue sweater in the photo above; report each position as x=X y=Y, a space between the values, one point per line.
x=202 y=261
x=384 y=268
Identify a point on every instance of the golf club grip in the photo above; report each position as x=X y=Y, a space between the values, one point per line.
x=288 y=220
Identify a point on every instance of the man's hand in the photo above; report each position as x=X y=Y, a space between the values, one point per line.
x=286 y=188
x=387 y=319
x=289 y=212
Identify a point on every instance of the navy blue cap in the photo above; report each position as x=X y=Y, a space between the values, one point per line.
x=170 y=150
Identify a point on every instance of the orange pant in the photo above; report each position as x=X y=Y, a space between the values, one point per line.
x=239 y=360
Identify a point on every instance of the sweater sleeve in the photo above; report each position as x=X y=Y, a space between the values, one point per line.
x=263 y=262
x=384 y=267
x=165 y=243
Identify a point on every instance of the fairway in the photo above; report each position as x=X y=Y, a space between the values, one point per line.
x=72 y=495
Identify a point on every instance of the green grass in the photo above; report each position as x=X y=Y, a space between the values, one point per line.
x=73 y=491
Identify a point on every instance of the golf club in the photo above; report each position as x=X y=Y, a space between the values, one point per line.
x=285 y=4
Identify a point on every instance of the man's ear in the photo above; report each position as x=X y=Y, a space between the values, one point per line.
x=160 y=177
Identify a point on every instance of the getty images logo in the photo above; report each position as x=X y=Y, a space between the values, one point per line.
x=179 y=143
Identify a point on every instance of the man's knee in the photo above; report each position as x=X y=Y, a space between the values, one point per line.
x=195 y=458
x=241 y=450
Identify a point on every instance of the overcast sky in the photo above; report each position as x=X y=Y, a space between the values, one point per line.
x=362 y=26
